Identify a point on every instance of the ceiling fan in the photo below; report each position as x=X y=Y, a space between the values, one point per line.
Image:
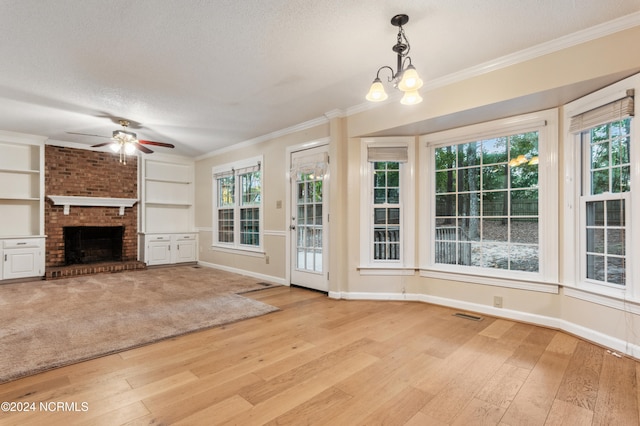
x=126 y=142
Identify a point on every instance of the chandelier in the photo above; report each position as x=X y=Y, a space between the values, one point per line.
x=405 y=77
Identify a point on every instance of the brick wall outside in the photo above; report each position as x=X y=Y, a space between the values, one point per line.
x=79 y=172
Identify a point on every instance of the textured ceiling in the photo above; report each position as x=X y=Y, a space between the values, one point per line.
x=205 y=74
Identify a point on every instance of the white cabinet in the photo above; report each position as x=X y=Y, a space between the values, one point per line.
x=22 y=258
x=165 y=249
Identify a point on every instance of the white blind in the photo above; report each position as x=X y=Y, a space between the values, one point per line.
x=310 y=163
x=617 y=110
x=388 y=153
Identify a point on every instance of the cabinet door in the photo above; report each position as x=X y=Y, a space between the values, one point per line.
x=158 y=252
x=185 y=251
x=21 y=263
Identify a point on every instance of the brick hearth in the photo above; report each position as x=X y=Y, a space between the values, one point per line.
x=78 y=172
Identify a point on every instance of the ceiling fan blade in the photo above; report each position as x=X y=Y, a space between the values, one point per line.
x=88 y=134
x=166 y=145
x=101 y=144
x=142 y=148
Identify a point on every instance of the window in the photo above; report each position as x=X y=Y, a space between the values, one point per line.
x=237 y=218
x=387 y=205
x=484 y=199
x=599 y=154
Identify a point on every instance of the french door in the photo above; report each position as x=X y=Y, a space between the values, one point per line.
x=309 y=214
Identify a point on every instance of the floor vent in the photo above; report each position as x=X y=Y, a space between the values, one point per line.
x=467 y=316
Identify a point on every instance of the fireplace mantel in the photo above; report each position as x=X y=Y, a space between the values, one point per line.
x=68 y=201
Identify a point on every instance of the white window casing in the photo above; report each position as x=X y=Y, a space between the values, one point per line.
x=388 y=149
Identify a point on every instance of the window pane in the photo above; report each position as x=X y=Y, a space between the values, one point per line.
x=446 y=157
x=225 y=225
x=524 y=203
x=615 y=212
x=495 y=203
x=495 y=230
x=595 y=267
x=595 y=240
x=616 y=241
x=469 y=179
x=226 y=191
x=469 y=204
x=250 y=183
x=445 y=205
x=469 y=154
x=524 y=231
x=494 y=151
x=494 y=177
x=616 y=270
x=445 y=181
x=600 y=155
x=250 y=226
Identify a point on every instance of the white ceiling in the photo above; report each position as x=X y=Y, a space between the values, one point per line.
x=206 y=74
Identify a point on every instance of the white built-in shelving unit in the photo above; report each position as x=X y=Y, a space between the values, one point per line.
x=167 y=211
x=21 y=205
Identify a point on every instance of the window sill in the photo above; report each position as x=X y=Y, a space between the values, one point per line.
x=239 y=251
x=387 y=270
x=509 y=282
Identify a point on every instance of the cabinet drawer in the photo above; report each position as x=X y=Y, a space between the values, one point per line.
x=185 y=237
x=26 y=243
x=158 y=237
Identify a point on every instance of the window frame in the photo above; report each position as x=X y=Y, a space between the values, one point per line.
x=574 y=274
x=546 y=278
x=237 y=170
x=405 y=265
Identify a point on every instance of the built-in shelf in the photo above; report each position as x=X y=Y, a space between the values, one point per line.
x=168 y=181
x=68 y=201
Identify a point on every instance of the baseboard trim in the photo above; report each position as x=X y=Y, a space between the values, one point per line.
x=593 y=336
x=262 y=277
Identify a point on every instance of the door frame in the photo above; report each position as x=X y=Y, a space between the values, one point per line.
x=288 y=205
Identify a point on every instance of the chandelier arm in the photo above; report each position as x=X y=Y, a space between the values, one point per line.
x=393 y=74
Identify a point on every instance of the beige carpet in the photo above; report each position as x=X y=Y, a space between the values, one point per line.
x=48 y=324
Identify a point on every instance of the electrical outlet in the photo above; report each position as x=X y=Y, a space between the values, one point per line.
x=266 y=259
x=497 y=301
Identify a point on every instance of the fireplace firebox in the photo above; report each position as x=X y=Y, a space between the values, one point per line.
x=92 y=244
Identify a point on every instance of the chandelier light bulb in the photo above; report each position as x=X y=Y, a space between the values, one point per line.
x=410 y=80
x=377 y=92
x=129 y=148
x=411 y=98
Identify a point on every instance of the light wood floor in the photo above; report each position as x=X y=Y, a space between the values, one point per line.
x=323 y=361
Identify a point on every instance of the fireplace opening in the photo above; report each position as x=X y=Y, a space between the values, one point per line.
x=91 y=244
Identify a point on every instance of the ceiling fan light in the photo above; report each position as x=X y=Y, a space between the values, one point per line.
x=376 y=92
x=410 y=80
x=115 y=147
x=411 y=98
x=129 y=148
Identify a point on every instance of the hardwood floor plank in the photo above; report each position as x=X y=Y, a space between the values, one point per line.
x=533 y=346
x=565 y=413
x=312 y=408
x=580 y=383
x=502 y=387
x=217 y=413
x=478 y=412
x=399 y=409
x=497 y=329
x=617 y=401
x=536 y=396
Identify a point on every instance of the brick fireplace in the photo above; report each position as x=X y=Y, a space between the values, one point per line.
x=73 y=172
